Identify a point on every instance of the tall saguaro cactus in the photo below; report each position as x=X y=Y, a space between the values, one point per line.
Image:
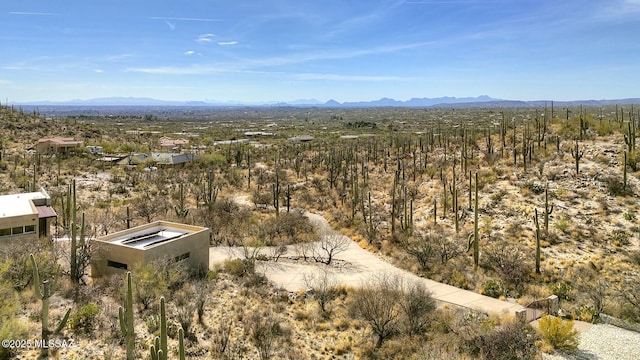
x=125 y=315
x=43 y=292
x=74 y=232
x=577 y=155
x=474 y=238
x=476 y=245
x=630 y=137
x=535 y=220
x=547 y=210
x=159 y=348
x=181 y=209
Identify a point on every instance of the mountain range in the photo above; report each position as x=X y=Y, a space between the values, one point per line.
x=447 y=101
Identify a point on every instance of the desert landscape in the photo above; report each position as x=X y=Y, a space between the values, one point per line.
x=335 y=233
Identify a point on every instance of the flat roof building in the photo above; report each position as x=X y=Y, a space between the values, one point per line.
x=57 y=144
x=25 y=216
x=159 y=240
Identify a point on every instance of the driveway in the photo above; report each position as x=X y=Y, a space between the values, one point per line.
x=354 y=267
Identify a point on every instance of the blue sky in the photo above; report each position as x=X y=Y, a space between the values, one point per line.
x=282 y=50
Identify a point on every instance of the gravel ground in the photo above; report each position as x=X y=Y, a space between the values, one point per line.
x=606 y=342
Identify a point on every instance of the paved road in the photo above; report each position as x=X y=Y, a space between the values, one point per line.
x=354 y=267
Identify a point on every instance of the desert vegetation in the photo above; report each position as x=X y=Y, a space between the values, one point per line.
x=514 y=203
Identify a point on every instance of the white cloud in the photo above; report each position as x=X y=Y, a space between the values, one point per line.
x=205 y=38
x=171 y=70
x=183 y=19
x=119 y=57
x=226 y=43
x=190 y=52
x=99 y=71
x=171 y=25
x=30 y=13
x=337 y=77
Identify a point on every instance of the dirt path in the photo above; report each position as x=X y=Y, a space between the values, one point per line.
x=354 y=267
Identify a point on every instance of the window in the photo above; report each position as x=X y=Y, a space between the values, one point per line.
x=5 y=232
x=17 y=230
x=30 y=229
x=117 y=265
x=181 y=257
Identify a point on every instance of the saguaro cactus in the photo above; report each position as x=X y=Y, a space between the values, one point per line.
x=577 y=155
x=630 y=137
x=535 y=220
x=476 y=245
x=126 y=320
x=181 y=209
x=624 y=173
x=43 y=292
x=74 y=232
x=159 y=349
x=547 y=210
x=474 y=238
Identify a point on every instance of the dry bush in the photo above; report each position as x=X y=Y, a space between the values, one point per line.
x=377 y=304
x=512 y=340
x=266 y=333
x=510 y=262
x=331 y=244
x=324 y=286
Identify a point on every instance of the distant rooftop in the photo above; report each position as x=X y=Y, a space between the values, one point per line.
x=22 y=204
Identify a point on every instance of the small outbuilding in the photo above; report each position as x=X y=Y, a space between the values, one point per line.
x=160 y=240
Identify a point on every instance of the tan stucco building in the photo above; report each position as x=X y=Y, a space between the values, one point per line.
x=25 y=216
x=57 y=144
x=119 y=251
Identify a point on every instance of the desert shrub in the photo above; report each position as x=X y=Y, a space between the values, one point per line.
x=148 y=284
x=19 y=271
x=562 y=290
x=324 y=288
x=377 y=304
x=509 y=261
x=266 y=332
x=620 y=238
x=493 y=288
x=604 y=128
x=629 y=216
x=559 y=333
x=238 y=267
x=152 y=321
x=395 y=349
x=616 y=187
x=634 y=257
x=84 y=320
x=11 y=328
x=416 y=304
x=288 y=228
x=633 y=160
x=510 y=341
x=563 y=224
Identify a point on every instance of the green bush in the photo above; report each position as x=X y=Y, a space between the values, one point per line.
x=239 y=267
x=11 y=328
x=559 y=333
x=562 y=290
x=493 y=288
x=84 y=320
